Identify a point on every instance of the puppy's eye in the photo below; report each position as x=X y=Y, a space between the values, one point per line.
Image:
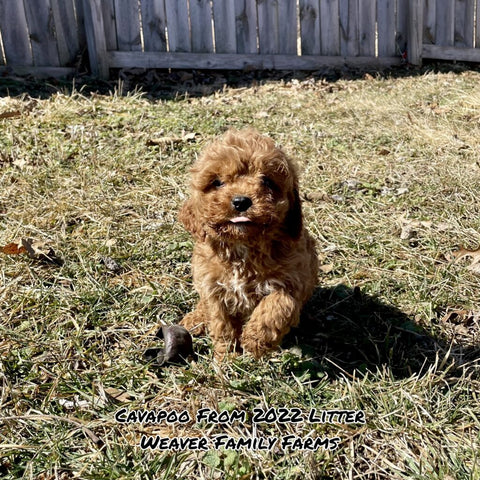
x=269 y=183
x=216 y=183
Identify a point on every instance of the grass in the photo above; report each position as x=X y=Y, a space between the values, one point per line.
x=390 y=175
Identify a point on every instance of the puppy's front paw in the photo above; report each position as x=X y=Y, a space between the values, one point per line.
x=254 y=345
x=222 y=356
x=194 y=323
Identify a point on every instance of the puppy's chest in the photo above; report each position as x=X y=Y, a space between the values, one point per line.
x=242 y=289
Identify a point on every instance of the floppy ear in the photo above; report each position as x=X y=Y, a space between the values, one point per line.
x=293 y=220
x=188 y=216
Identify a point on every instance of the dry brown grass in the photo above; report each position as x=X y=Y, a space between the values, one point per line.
x=390 y=178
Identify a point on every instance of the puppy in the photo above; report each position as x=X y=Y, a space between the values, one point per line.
x=254 y=265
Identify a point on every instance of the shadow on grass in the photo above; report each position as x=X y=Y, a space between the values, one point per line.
x=173 y=84
x=344 y=330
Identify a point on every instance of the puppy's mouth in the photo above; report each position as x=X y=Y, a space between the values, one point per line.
x=239 y=227
x=240 y=220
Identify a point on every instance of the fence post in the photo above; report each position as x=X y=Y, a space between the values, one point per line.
x=96 y=42
x=415 y=32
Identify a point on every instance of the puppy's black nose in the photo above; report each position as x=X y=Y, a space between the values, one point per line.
x=241 y=204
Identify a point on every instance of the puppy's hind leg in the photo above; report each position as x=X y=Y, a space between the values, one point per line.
x=196 y=322
x=212 y=319
x=225 y=332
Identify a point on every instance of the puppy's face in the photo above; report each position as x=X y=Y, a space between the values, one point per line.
x=243 y=186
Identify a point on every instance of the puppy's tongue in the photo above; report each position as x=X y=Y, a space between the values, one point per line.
x=240 y=220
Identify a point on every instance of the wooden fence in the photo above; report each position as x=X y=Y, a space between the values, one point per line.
x=451 y=30
x=46 y=36
x=41 y=36
x=245 y=34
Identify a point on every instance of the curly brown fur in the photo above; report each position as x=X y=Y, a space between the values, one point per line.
x=254 y=265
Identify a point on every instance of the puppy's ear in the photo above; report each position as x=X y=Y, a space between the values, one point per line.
x=188 y=216
x=293 y=221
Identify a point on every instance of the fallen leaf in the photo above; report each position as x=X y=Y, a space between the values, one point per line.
x=327 y=268
x=15 y=113
x=462 y=253
x=163 y=141
x=315 y=196
x=461 y=330
x=454 y=315
x=111 y=264
x=171 y=141
x=408 y=232
x=14 y=248
x=110 y=242
x=118 y=395
x=20 y=163
x=37 y=250
x=188 y=137
x=411 y=228
x=352 y=184
x=384 y=151
x=475 y=268
x=186 y=76
x=401 y=191
x=463 y=322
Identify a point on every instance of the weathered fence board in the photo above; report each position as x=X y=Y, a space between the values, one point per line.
x=154 y=25
x=80 y=24
x=128 y=25
x=367 y=29
x=218 y=61
x=402 y=23
x=246 y=26
x=268 y=26
x=329 y=27
x=41 y=31
x=224 y=22
x=16 y=41
x=96 y=38
x=287 y=27
x=349 y=28
x=178 y=28
x=464 y=17
x=451 y=30
x=201 y=25
x=386 y=28
x=110 y=25
x=477 y=24
x=430 y=21
x=451 y=53
x=414 y=36
x=445 y=22
x=310 y=27
x=66 y=28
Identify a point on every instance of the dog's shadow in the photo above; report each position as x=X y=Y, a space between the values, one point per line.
x=343 y=331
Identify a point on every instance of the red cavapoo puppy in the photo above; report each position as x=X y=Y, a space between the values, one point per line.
x=254 y=265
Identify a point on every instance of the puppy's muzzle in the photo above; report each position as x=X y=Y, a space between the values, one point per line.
x=241 y=203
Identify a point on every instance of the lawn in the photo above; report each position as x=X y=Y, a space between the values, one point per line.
x=381 y=380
